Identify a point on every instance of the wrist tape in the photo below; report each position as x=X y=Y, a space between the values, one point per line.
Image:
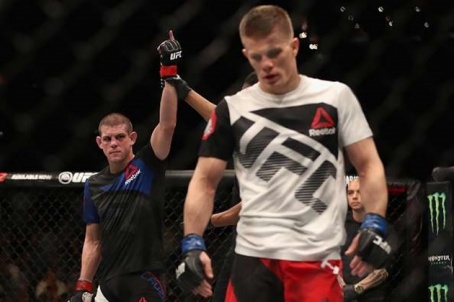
x=192 y=242
x=84 y=285
x=168 y=71
x=375 y=222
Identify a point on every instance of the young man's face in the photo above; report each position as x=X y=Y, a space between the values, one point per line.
x=354 y=196
x=116 y=142
x=273 y=58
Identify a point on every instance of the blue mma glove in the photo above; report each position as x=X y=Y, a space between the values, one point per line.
x=190 y=271
x=372 y=247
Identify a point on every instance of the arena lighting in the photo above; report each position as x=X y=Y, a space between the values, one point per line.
x=303 y=34
x=313 y=46
x=390 y=22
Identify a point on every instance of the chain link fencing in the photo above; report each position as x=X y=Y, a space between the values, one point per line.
x=67 y=63
x=42 y=231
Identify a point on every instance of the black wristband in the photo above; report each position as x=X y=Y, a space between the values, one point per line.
x=180 y=85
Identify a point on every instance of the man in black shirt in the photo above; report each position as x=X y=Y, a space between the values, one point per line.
x=123 y=204
x=369 y=288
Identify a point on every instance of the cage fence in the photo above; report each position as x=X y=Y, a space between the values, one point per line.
x=65 y=56
x=42 y=232
x=69 y=62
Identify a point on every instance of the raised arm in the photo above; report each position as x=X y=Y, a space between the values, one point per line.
x=200 y=104
x=170 y=54
x=161 y=138
x=193 y=98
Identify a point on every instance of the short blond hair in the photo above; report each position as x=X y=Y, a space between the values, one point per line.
x=260 y=21
x=114 y=119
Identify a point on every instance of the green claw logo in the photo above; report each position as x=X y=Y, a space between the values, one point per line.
x=438 y=293
x=437 y=208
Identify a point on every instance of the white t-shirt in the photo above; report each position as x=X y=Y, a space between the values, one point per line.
x=288 y=159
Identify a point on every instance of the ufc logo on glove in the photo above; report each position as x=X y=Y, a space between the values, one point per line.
x=175 y=55
x=383 y=244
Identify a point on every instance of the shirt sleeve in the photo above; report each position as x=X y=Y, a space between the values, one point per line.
x=90 y=213
x=352 y=121
x=147 y=154
x=217 y=139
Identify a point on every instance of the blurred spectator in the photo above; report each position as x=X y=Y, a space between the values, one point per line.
x=373 y=286
x=51 y=289
x=13 y=283
x=45 y=246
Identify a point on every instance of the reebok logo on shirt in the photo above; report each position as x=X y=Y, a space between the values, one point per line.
x=322 y=124
x=131 y=173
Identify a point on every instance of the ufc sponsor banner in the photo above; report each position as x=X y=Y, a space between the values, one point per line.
x=77 y=179
x=440 y=236
x=66 y=178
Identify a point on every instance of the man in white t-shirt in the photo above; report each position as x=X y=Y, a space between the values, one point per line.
x=287 y=135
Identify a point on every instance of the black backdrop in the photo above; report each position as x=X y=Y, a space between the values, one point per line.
x=64 y=64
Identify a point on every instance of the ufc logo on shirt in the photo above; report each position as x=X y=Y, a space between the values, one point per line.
x=175 y=55
x=275 y=161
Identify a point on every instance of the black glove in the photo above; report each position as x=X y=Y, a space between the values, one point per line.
x=170 y=54
x=373 y=248
x=180 y=85
x=349 y=293
x=190 y=271
x=84 y=292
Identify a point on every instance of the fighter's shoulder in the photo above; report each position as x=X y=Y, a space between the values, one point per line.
x=316 y=83
x=241 y=95
x=99 y=176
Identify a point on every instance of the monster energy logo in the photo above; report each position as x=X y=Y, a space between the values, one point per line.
x=438 y=293
x=437 y=208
